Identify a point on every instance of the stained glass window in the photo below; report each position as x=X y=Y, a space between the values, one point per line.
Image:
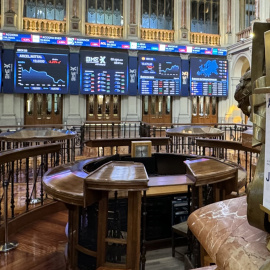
x=157 y=14
x=104 y=12
x=45 y=9
x=205 y=16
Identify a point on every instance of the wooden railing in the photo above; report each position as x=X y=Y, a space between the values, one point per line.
x=104 y=30
x=21 y=171
x=157 y=34
x=244 y=34
x=204 y=39
x=42 y=25
x=123 y=129
x=242 y=155
x=41 y=136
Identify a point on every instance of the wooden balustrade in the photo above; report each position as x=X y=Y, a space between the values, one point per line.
x=42 y=25
x=157 y=34
x=244 y=34
x=204 y=39
x=114 y=31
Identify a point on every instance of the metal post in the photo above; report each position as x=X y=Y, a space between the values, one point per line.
x=34 y=199
x=7 y=246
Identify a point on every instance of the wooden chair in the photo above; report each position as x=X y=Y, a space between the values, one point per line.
x=180 y=229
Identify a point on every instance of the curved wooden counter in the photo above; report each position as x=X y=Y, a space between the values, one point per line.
x=84 y=184
x=65 y=182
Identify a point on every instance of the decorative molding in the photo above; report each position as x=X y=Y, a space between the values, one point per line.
x=184 y=56
x=9 y=45
x=133 y=53
x=133 y=30
x=184 y=34
x=74 y=49
x=229 y=57
x=75 y=24
x=10 y=19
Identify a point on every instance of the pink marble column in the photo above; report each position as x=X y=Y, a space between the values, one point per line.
x=229 y=29
x=11 y=5
x=132 y=11
x=184 y=14
x=75 y=9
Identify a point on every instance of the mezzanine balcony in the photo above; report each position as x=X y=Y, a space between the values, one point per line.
x=43 y=25
x=104 y=30
x=157 y=35
x=204 y=39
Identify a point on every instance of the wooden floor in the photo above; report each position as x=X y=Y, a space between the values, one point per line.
x=42 y=247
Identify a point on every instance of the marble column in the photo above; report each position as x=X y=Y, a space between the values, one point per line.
x=75 y=9
x=11 y=5
x=8 y=106
x=229 y=22
x=133 y=20
x=184 y=15
x=257 y=9
x=75 y=20
x=132 y=13
x=183 y=29
x=10 y=20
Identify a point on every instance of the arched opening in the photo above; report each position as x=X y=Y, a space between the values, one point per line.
x=242 y=65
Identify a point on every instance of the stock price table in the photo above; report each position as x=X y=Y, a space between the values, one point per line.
x=159 y=75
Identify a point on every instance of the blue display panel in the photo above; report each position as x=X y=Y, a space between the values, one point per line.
x=208 y=77
x=159 y=75
x=115 y=44
x=40 y=72
x=8 y=71
x=104 y=73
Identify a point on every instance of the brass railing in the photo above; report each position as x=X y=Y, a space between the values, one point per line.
x=244 y=34
x=114 y=31
x=204 y=39
x=157 y=34
x=42 y=25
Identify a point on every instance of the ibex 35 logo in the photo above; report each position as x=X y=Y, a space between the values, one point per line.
x=98 y=60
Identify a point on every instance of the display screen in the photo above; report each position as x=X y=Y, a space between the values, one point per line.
x=38 y=72
x=159 y=75
x=208 y=77
x=104 y=73
x=116 y=44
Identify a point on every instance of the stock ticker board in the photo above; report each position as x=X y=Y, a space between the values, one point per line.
x=159 y=75
x=104 y=73
x=41 y=72
x=208 y=77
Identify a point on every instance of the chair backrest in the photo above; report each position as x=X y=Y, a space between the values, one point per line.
x=170 y=164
